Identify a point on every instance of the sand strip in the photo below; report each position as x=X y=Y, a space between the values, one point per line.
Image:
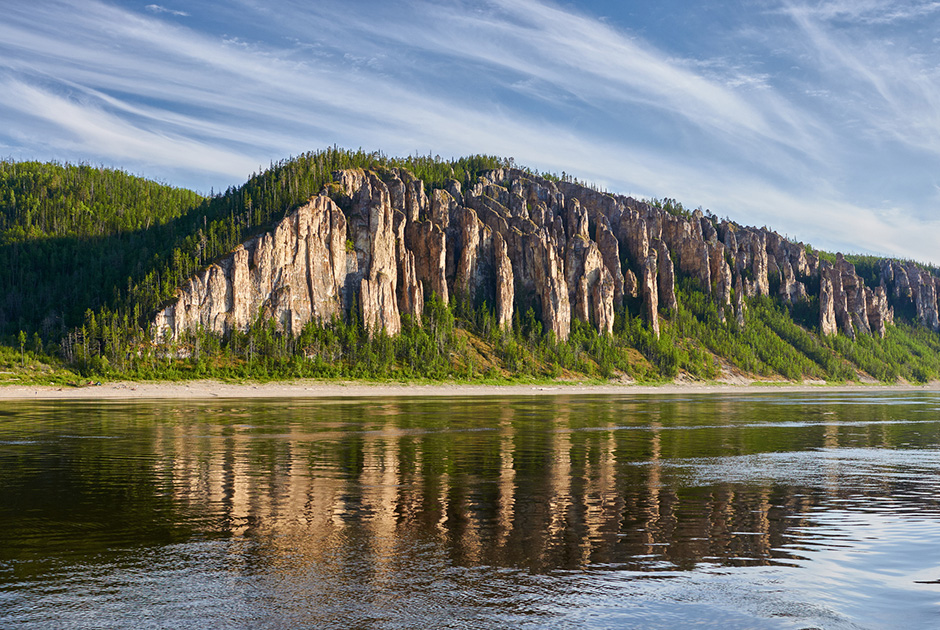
x=321 y=389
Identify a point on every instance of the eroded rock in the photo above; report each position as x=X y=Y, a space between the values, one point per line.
x=666 y=276
x=650 y=291
x=516 y=240
x=295 y=274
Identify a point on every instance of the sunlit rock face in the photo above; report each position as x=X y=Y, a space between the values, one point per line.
x=295 y=273
x=384 y=244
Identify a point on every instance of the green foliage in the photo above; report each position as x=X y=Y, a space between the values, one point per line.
x=43 y=201
x=869 y=267
x=28 y=364
x=336 y=349
x=74 y=238
x=828 y=256
x=88 y=255
x=671 y=206
x=908 y=352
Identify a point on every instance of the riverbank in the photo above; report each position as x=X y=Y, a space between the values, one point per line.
x=351 y=389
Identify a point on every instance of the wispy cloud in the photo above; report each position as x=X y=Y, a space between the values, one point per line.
x=887 y=82
x=871 y=12
x=554 y=87
x=156 y=8
x=85 y=126
x=603 y=68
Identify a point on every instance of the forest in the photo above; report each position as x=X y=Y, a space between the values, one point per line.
x=89 y=254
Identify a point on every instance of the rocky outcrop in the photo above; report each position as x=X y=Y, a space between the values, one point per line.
x=631 y=286
x=504 y=283
x=740 y=306
x=831 y=277
x=552 y=289
x=295 y=273
x=372 y=227
x=427 y=241
x=384 y=244
x=651 y=292
x=827 y=306
x=787 y=264
x=913 y=290
x=853 y=288
x=473 y=242
x=667 y=276
x=410 y=289
x=880 y=314
x=602 y=302
x=720 y=272
x=610 y=251
x=924 y=288
x=633 y=234
x=848 y=306
x=694 y=260
x=590 y=283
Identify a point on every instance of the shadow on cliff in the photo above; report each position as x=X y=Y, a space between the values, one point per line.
x=48 y=285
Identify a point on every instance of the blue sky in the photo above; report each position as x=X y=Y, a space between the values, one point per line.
x=820 y=119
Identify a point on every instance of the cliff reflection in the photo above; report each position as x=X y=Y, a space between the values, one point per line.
x=515 y=483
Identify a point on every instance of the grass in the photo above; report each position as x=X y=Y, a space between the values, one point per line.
x=32 y=368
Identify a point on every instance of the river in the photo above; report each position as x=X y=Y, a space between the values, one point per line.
x=781 y=510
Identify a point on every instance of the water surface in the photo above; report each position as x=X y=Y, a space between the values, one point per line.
x=790 y=510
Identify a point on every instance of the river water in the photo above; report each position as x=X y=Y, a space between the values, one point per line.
x=790 y=510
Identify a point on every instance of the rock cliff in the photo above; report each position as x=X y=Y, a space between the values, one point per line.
x=295 y=273
x=381 y=243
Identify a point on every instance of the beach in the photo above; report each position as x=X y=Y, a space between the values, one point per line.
x=352 y=389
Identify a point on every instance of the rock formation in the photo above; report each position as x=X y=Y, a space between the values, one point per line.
x=384 y=244
x=295 y=273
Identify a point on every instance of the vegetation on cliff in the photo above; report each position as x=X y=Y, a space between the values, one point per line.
x=89 y=255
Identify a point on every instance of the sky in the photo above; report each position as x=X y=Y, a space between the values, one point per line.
x=819 y=119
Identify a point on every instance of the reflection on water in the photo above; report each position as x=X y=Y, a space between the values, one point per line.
x=776 y=511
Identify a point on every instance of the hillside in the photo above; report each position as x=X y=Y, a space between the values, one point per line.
x=351 y=264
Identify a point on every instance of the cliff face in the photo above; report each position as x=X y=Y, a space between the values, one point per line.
x=294 y=274
x=520 y=241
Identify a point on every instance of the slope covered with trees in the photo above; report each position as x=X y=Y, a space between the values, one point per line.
x=89 y=255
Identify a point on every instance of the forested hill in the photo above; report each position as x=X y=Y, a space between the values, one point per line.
x=564 y=281
x=75 y=239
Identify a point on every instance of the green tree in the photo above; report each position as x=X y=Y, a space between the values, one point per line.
x=22 y=340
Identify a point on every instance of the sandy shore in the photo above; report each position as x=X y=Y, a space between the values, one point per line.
x=320 y=389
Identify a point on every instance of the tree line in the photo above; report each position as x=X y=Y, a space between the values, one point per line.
x=88 y=255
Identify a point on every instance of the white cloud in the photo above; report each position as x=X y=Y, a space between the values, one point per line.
x=600 y=66
x=871 y=12
x=89 y=77
x=87 y=127
x=893 y=92
x=156 y=8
